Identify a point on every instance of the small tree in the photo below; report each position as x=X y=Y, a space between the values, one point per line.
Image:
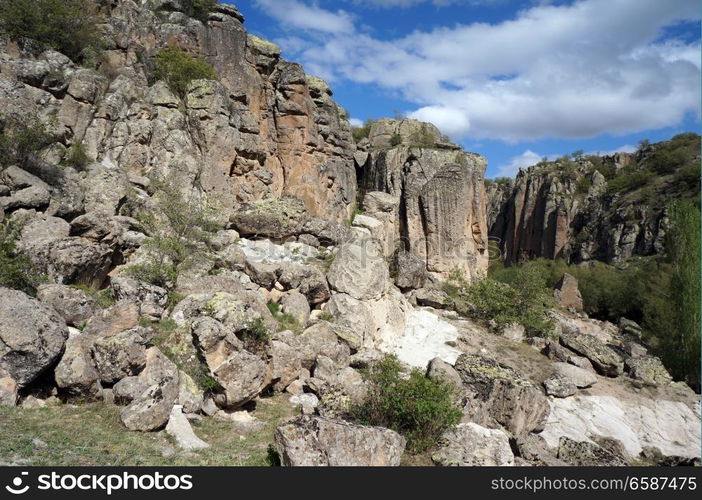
x=417 y=407
x=179 y=230
x=21 y=139
x=16 y=270
x=178 y=68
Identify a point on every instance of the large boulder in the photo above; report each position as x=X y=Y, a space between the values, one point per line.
x=472 y=445
x=76 y=372
x=243 y=375
x=409 y=271
x=74 y=305
x=8 y=391
x=587 y=454
x=580 y=377
x=559 y=386
x=359 y=270
x=567 y=293
x=295 y=304
x=32 y=336
x=150 y=298
x=606 y=360
x=179 y=428
x=499 y=395
x=308 y=280
x=318 y=441
x=151 y=409
x=273 y=218
x=121 y=355
x=648 y=369
x=322 y=339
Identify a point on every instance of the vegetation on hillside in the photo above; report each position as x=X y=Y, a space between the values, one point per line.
x=16 y=270
x=417 y=407
x=362 y=132
x=178 y=69
x=22 y=139
x=179 y=229
x=68 y=26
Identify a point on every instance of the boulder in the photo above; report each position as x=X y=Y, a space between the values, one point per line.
x=308 y=280
x=243 y=376
x=604 y=359
x=117 y=318
x=284 y=360
x=359 y=271
x=587 y=454
x=296 y=305
x=432 y=297
x=32 y=336
x=648 y=369
x=179 y=428
x=151 y=410
x=500 y=395
x=440 y=371
x=472 y=445
x=8 y=391
x=559 y=386
x=273 y=218
x=567 y=293
x=261 y=273
x=308 y=403
x=578 y=376
x=151 y=299
x=410 y=271
x=74 y=305
x=76 y=372
x=322 y=339
x=380 y=202
x=318 y=441
x=121 y=355
x=190 y=396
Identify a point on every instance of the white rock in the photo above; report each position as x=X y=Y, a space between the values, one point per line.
x=425 y=338
x=670 y=426
x=308 y=402
x=179 y=427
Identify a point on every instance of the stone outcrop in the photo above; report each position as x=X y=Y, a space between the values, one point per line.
x=567 y=209
x=32 y=336
x=317 y=441
x=440 y=217
x=472 y=445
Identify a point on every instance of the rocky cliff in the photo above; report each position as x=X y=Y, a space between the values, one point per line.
x=593 y=208
x=440 y=212
x=264 y=129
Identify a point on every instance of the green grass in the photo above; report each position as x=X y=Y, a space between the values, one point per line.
x=103 y=440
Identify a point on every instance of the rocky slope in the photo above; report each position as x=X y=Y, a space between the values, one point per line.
x=295 y=293
x=568 y=209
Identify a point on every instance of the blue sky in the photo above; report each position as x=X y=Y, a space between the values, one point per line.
x=511 y=80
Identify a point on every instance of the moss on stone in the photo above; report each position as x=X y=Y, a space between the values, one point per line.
x=263 y=46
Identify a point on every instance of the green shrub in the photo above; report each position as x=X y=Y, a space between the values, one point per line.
x=69 y=26
x=419 y=408
x=395 y=140
x=21 y=140
x=583 y=185
x=16 y=270
x=285 y=321
x=518 y=295
x=199 y=9
x=629 y=180
x=178 y=69
x=77 y=157
x=256 y=336
x=103 y=298
x=362 y=132
x=422 y=139
x=179 y=230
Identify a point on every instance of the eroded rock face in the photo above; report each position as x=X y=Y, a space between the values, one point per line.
x=318 y=441
x=441 y=213
x=32 y=336
x=359 y=271
x=499 y=394
x=472 y=445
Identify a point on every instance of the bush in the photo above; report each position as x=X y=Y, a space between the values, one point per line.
x=629 y=180
x=520 y=295
x=360 y=133
x=199 y=9
x=69 y=26
x=256 y=336
x=16 y=270
x=179 y=230
x=77 y=157
x=21 y=139
x=103 y=298
x=395 y=140
x=178 y=69
x=419 y=408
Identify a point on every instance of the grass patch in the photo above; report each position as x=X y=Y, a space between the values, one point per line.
x=104 y=441
x=103 y=298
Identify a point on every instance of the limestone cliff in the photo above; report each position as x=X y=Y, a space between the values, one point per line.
x=593 y=208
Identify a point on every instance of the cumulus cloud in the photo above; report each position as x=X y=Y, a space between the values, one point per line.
x=355 y=122
x=299 y=15
x=387 y=4
x=561 y=71
x=524 y=160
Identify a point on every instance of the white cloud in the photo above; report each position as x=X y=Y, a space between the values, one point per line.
x=567 y=71
x=626 y=148
x=355 y=122
x=388 y=4
x=451 y=121
x=524 y=160
x=299 y=15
